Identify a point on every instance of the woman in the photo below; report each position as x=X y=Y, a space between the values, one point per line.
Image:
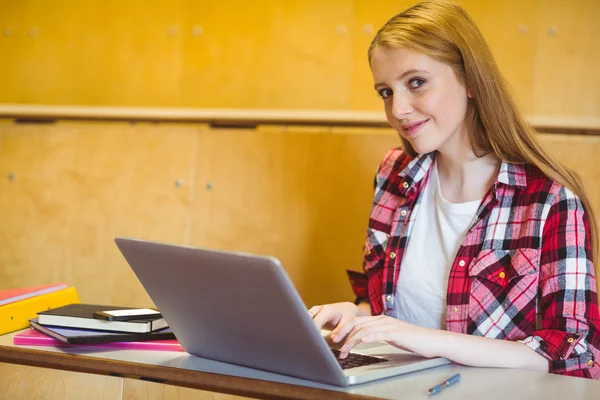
x=476 y=233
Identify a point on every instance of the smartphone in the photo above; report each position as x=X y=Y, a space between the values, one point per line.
x=127 y=315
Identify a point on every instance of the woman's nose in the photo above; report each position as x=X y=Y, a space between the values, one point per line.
x=401 y=106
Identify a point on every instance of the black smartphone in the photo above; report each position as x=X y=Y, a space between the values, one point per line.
x=127 y=315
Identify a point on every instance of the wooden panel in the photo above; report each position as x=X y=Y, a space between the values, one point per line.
x=268 y=54
x=567 y=58
x=94 y=52
x=182 y=53
x=24 y=382
x=272 y=54
x=75 y=188
x=510 y=27
x=369 y=18
x=301 y=195
x=143 y=390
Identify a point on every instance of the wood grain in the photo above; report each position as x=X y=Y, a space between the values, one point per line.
x=77 y=187
x=20 y=382
x=565 y=56
x=300 y=195
x=142 y=390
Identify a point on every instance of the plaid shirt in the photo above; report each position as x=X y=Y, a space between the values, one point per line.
x=523 y=273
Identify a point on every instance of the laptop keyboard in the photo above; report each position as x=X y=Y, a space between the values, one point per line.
x=356 y=360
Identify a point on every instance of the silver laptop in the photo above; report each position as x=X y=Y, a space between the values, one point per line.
x=243 y=309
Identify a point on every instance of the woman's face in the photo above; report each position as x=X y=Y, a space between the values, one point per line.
x=424 y=100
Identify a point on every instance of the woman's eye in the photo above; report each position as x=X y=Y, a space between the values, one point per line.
x=416 y=83
x=385 y=93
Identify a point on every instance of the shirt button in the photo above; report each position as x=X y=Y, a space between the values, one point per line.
x=403 y=213
x=392 y=255
x=502 y=275
x=367 y=252
x=591 y=363
x=570 y=340
x=455 y=309
x=405 y=185
x=461 y=263
x=389 y=298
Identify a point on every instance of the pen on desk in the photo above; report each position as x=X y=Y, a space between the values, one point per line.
x=454 y=379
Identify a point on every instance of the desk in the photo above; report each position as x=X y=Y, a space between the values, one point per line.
x=181 y=369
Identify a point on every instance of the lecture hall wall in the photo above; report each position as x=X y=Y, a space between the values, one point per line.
x=299 y=193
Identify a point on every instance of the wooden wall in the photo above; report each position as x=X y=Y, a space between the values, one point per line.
x=292 y=54
x=301 y=194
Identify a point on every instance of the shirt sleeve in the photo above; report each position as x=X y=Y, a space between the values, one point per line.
x=568 y=335
x=359 y=283
x=359 y=280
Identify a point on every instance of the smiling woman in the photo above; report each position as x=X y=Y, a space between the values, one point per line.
x=476 y=233
x=425 y=102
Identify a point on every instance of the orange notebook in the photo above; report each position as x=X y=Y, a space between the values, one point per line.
x=15 y=316
x=13 y=295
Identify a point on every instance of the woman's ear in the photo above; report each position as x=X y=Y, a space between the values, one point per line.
x=469 y=93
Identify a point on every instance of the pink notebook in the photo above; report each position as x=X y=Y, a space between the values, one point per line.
x=31 y=337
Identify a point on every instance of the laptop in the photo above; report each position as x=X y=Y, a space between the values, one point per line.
x=243 y=309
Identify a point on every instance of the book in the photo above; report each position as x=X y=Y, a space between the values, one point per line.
x=82 y=316
x=32 y=337
x=14 y=295
x=15 y=316
x=87 y=336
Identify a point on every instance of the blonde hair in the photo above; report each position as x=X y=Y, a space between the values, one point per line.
x=445 y=32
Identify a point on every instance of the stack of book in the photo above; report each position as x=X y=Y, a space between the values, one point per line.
x=90 y=324
x=18 y=306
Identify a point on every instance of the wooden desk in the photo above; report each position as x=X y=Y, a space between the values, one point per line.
x=181 y=369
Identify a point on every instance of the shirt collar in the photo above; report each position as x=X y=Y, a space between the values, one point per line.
x=510 y=174
x=417 y=168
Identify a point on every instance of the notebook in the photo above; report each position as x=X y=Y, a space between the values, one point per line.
x=12 y=295
x=243 y=309
x=32 y=337
x=15 y=316
x=87 y=336
x=82 y=316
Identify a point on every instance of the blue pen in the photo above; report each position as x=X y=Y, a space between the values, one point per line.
x=454 y=379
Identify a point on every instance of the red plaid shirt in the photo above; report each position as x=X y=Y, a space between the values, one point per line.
x=523 y=273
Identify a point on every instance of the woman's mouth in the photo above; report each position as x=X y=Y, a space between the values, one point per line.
x=412 y=128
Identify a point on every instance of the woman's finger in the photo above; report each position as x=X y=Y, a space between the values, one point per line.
x=374 y=326
x=314 y=311
x=324 y=315
x=342 y=330
x=357 y=335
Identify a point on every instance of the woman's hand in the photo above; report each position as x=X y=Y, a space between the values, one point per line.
x=333 y=315
x=461 y=348
x=381 y=328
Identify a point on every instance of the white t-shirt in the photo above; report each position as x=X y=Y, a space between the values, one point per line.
x=438 y=232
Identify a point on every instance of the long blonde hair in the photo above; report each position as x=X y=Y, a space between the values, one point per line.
x=445 y=32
